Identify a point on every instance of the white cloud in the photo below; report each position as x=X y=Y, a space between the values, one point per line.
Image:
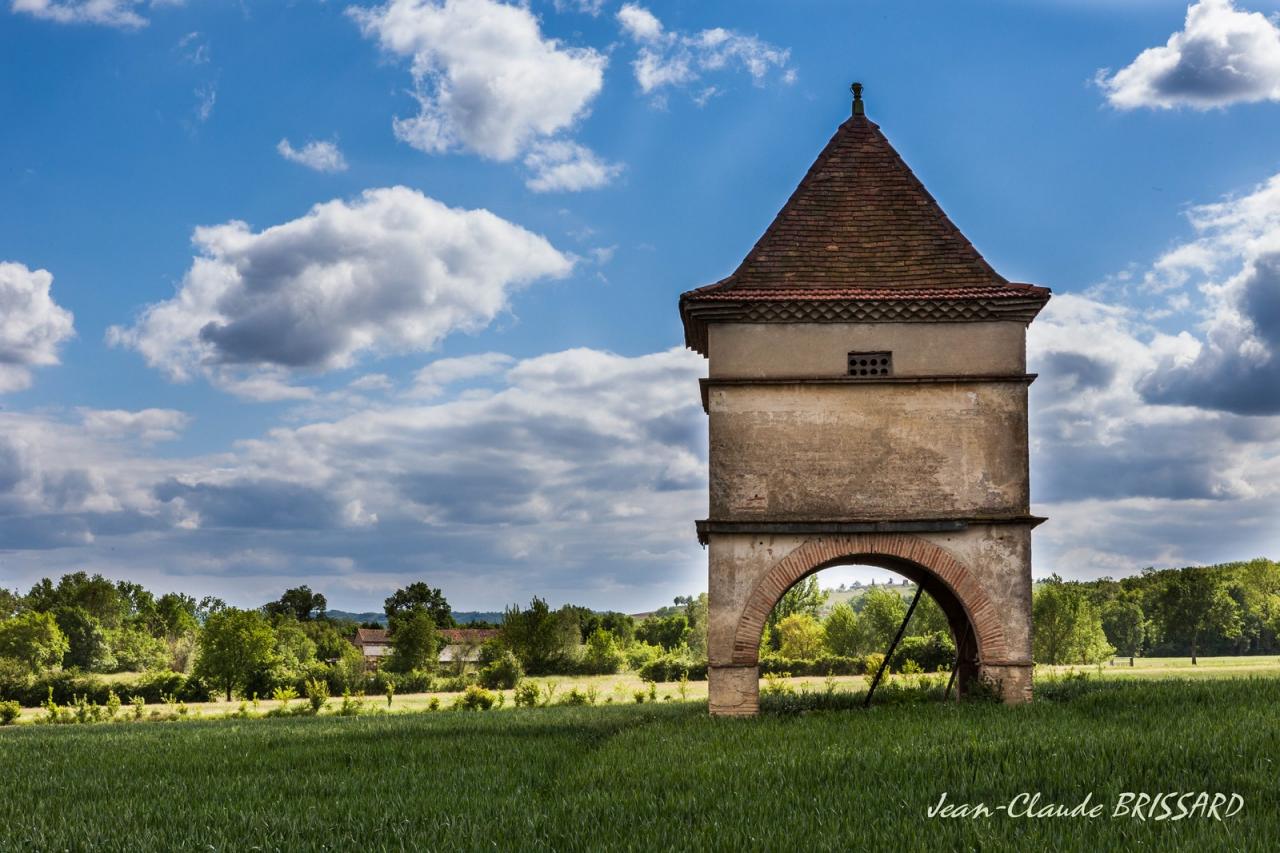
x=32 y=325
x=392 y=271
x=1222 y=56
x=1228 y=279
x=147 y=425
x=487 y=80
x=193 y=49
x=206 y=97
x=670 y=59
x=561 y=165
x=111 y=13
x=586 y=7
x=431 y=380
x=575 y=475
x=321 y=156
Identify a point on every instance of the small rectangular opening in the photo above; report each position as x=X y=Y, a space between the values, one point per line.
x=866 y=365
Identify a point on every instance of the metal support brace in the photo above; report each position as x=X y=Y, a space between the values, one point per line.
x=960 y=649
x=884 y=664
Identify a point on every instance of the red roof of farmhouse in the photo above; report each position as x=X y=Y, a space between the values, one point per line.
x=860 y=228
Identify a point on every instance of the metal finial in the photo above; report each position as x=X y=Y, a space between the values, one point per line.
x=856 y=88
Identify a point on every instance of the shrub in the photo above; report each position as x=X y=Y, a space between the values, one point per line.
x=928 y=653
x=351 y=707
x=317 y=694
x=639 y=654
x=910 y=667
x=527 y=694
x=476 y=698
x=674 y=667
x=503 y=673
x=575 y=697
x=639 y=697
x=602 y=655
x=9 y=712
x=871 y=664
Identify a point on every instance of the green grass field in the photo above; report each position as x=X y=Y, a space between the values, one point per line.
x=648 y=777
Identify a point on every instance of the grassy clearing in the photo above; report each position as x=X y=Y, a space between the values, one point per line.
x=647 y=777
x=620 y=689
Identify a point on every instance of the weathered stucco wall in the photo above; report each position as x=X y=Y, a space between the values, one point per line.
x=987 y=568
x=758 y=350
x=868 y=450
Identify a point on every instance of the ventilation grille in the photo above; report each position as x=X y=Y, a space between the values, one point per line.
x=869 y=364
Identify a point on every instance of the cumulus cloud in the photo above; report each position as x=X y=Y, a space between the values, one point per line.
x=561 y=165
x=123 y=14
x=671 y=59
x=1222 y=56
x=320 y=156
x=574 y=474
x=147 y=425
x=392 y=271
x=430 y=381
x=32 y=325
x=1230 y=277
x=487 y=80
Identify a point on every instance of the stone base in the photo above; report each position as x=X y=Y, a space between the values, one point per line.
x=1013 y=680
x=733 y=691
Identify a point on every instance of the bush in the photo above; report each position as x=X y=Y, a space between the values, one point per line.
x=64 y=687
x=476 y=698
x=9 y=712
x=639 y=654
x=602 y=655
x=527 y=694
x=317 y=694
x=821 y=665
x=576 y=697
x=674 y=668
x=929 y=653
x=503 y=673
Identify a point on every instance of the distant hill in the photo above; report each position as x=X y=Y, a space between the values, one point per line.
x=852 y=594
x=462 y=617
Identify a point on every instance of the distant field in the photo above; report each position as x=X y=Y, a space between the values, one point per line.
x=655 y=777
x=621 y=688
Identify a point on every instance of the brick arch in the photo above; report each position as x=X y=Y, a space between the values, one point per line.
x=878 y=548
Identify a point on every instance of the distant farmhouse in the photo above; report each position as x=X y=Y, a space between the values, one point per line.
x=458 y=644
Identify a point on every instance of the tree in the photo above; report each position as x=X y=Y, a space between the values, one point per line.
x=602 y=655
x=880 y=617
x=10 y=603
x=177 y=614
x=1195 y=602
x=420 y=595
x=95 y=595
x=300 y=603
x=1067 y=626
x=800 y=637
x=670 y=632
x=1125 y=626
x=534 y=635
x=135 y=650
x=803 y=597
x=89 y=648
x=843 y=635
x=34 y=639
x=413 y=641
x=235 y=646
x=928 y=619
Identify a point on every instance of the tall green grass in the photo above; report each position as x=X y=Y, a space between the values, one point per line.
x=654 y=777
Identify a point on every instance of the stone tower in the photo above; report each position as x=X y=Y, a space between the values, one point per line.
x=867 y=403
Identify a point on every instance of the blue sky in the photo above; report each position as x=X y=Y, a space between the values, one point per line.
x=358 y=294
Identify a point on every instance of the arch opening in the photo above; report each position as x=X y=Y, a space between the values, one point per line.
x=869 y=631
